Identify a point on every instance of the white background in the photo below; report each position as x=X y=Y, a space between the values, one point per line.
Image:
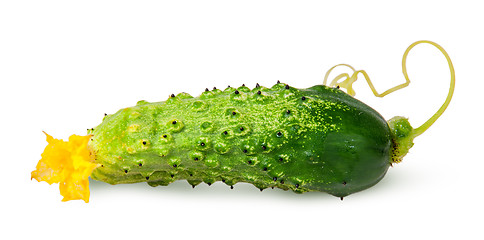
x=63 y=64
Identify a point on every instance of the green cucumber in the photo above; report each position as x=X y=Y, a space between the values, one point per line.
x=316 y=139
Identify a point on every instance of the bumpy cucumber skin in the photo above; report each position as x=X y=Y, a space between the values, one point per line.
x=315 y=139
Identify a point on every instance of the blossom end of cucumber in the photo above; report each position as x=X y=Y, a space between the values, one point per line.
x=68 y=163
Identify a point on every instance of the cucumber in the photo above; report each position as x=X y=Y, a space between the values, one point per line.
x=315 y=139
